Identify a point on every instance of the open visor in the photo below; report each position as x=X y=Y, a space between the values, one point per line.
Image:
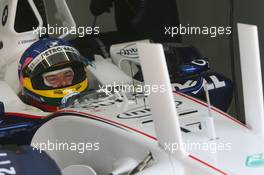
x=52 y=57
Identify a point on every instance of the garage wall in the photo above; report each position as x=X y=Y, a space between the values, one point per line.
x=81 y=12
x=208 y=13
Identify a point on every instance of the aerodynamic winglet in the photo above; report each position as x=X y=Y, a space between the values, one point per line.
x=251 y=77
x=162 y=104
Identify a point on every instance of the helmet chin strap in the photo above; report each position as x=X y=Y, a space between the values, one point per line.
x=54 y=73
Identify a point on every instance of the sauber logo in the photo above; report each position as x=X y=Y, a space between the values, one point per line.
x=129 y=51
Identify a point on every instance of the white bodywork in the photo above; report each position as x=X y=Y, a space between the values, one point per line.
x=125 y=131
x=100 y=70
x=14 y=44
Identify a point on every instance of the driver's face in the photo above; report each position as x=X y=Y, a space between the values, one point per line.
x=59 y=79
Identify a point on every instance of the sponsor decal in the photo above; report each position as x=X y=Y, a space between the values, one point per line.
x=58 y=49
x=140 y=112
x=34 y=63
x=50 y=52
x=192 y=127
x=27 y=41
x=78 y=86
x=53 y=44
x=256 y=160
x=135 y=113
x=67 y=97
x=186 y=85
x=103 y=103
x=5 y=15
x=4 y=162
x=58 y=92
x=97 y=104
x=129 y=51
x=192 y=85
x=200 y=62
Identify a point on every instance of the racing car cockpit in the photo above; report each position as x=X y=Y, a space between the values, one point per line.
x=116 y=119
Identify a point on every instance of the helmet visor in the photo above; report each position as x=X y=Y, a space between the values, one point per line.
x=60 y=76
